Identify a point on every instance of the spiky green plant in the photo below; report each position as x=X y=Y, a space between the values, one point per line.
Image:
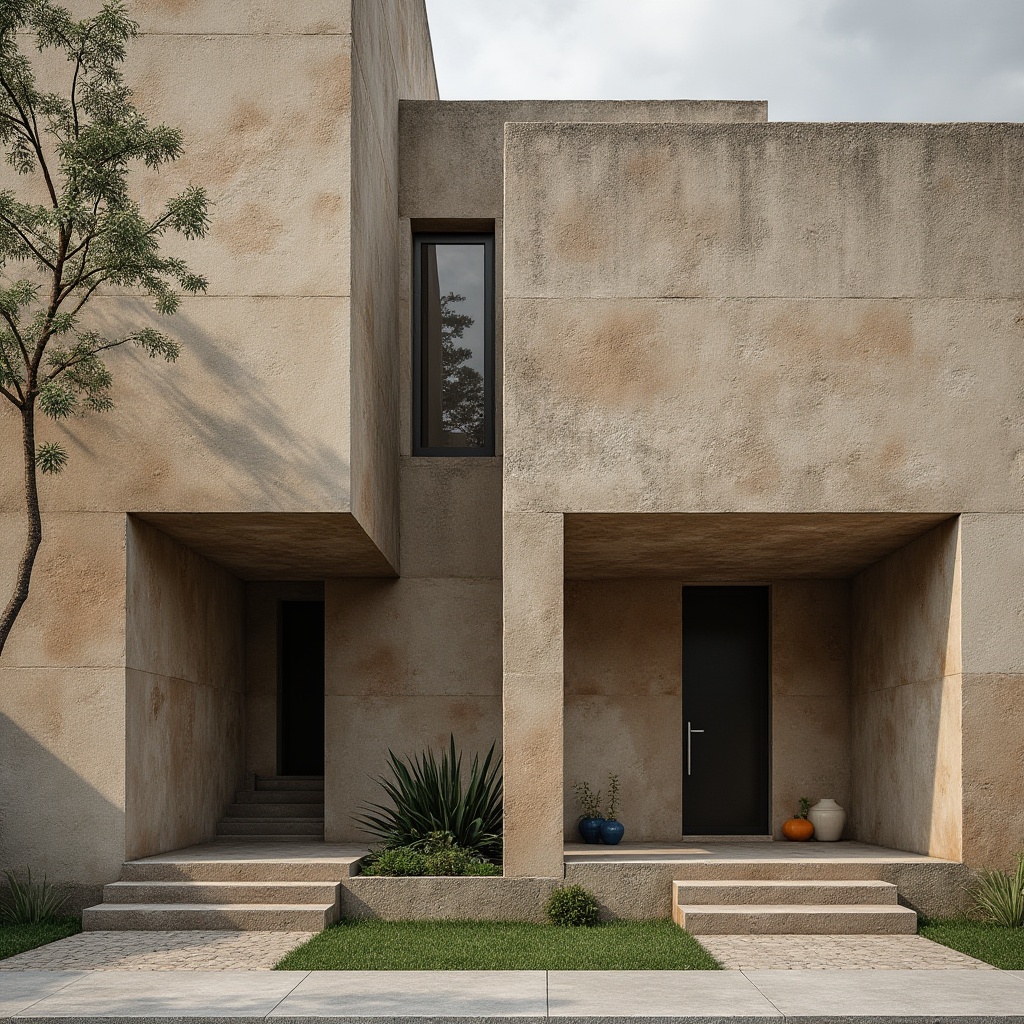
x=29 y=902
x=999 y=896
x=427 y=795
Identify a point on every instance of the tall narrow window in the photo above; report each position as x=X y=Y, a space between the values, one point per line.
x=453 y=375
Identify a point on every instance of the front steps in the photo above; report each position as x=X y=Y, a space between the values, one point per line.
x=777 y=907
x=280 y=807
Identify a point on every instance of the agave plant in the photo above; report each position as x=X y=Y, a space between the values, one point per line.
x=999 y=896
x=427 y=795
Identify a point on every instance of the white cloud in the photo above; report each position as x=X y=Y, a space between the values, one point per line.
x=811 y=59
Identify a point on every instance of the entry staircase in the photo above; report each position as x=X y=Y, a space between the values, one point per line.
x=215 y=887
x=812 y=907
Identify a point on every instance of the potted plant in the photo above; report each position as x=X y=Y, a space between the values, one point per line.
x=590 y=823
x=799 y=829
x=611 y=828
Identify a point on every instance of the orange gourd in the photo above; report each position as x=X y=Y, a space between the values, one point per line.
x=798 y=829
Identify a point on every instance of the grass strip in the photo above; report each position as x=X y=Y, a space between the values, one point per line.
x=504 y=946
x=17 y=938
x=996 y=945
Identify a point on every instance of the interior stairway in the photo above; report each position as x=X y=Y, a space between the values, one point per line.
x=279 y=808
x=790 y=908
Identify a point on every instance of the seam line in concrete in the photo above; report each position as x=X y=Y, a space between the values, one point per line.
x=763 y=995
x=25 y=1009
x=305 y=975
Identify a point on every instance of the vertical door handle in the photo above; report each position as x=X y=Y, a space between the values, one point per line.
x=689 y=746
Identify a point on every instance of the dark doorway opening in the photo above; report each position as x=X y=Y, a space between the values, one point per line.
x=726 y=707
x=300 y=693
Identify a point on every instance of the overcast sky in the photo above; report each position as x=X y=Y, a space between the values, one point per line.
x=815 y=60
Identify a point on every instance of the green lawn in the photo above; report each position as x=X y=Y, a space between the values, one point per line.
x=1001 y=947
x=509 y=946
x=16 y=938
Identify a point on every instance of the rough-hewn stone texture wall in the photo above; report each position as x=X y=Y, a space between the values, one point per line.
x=906 y=698
x=184 y=693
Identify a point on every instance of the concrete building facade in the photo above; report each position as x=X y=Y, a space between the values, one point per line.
x=727 y=353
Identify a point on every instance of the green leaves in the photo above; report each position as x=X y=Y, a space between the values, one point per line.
x=999 y=896
x=51 y=457
x=427 y=796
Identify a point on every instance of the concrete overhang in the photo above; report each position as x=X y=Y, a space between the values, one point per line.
x=277 y=545
x=725 y=547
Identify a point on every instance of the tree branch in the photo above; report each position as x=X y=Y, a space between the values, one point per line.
x=68 y=363
x=35 y=252
x=12 y=323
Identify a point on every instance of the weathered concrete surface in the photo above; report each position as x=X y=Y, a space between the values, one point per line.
x=796 y=330
x=451 y=153
x=532 y=695
x=810 y=705
x=184 y=693
x=62 y=692
x=452 y=899
x=724 y=547
x=906 y=684
x=992 y=552
x=391 y=60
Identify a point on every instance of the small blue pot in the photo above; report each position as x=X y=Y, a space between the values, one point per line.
x=590 y=829
x=612 y=832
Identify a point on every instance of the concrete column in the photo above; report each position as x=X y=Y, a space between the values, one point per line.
x=532 y=693
x=993 y=687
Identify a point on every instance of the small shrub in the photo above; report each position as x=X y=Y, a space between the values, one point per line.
x=400 y=861
x=483 y=868
x=999 y=896
x=572 y=906
x=29 y=902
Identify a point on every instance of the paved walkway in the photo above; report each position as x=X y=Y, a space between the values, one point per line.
x=362 y=997
x=159 y=951
x=836 y=952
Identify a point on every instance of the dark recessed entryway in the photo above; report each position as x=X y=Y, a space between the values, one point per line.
x=300 y=693
x=726 y=685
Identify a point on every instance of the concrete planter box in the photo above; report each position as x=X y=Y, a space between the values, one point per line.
x=432 y=897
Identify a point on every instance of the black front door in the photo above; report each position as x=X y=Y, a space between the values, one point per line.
x=301 y=689
x=725 y=710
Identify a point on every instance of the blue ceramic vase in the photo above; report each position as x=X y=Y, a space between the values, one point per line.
x=590 y=829
x=612 y=832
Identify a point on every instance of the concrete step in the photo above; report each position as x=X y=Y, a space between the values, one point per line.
x=271 y=827
x=276 y=810
x=290 y=782
x=289 y=893
x=279 y=796
x=235 y=870
x=270 y=917
x=787 y=919
x=822 y=893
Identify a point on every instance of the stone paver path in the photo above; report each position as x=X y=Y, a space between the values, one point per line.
x=159 y=951
x=835 y=952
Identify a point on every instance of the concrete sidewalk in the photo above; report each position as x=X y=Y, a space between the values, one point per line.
x=493 y=996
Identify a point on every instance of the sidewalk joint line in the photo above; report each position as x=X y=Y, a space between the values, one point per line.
x=305 y=975
x=763 y=995
x=70 y=981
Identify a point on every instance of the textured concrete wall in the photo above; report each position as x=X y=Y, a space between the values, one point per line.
x=184 y=693
x=62 y=693
x=412 y=660
x=623 y=698
x=391 y=60
x=992 y=611
x=906 y=686
x=763 y=317
x=249 y=418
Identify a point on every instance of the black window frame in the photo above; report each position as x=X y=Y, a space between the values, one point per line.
x=452 y=238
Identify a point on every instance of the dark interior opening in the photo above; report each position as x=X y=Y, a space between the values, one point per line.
x=300 y=695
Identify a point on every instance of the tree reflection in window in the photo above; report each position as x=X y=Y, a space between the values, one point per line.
x=462 y=387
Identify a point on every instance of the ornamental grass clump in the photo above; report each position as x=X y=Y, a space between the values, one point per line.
x=999 y=896
x=428 y=797
x=436 y=854
x=29 y=902
x=572 y=906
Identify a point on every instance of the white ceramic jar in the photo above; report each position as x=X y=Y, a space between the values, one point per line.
x=828 y=819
